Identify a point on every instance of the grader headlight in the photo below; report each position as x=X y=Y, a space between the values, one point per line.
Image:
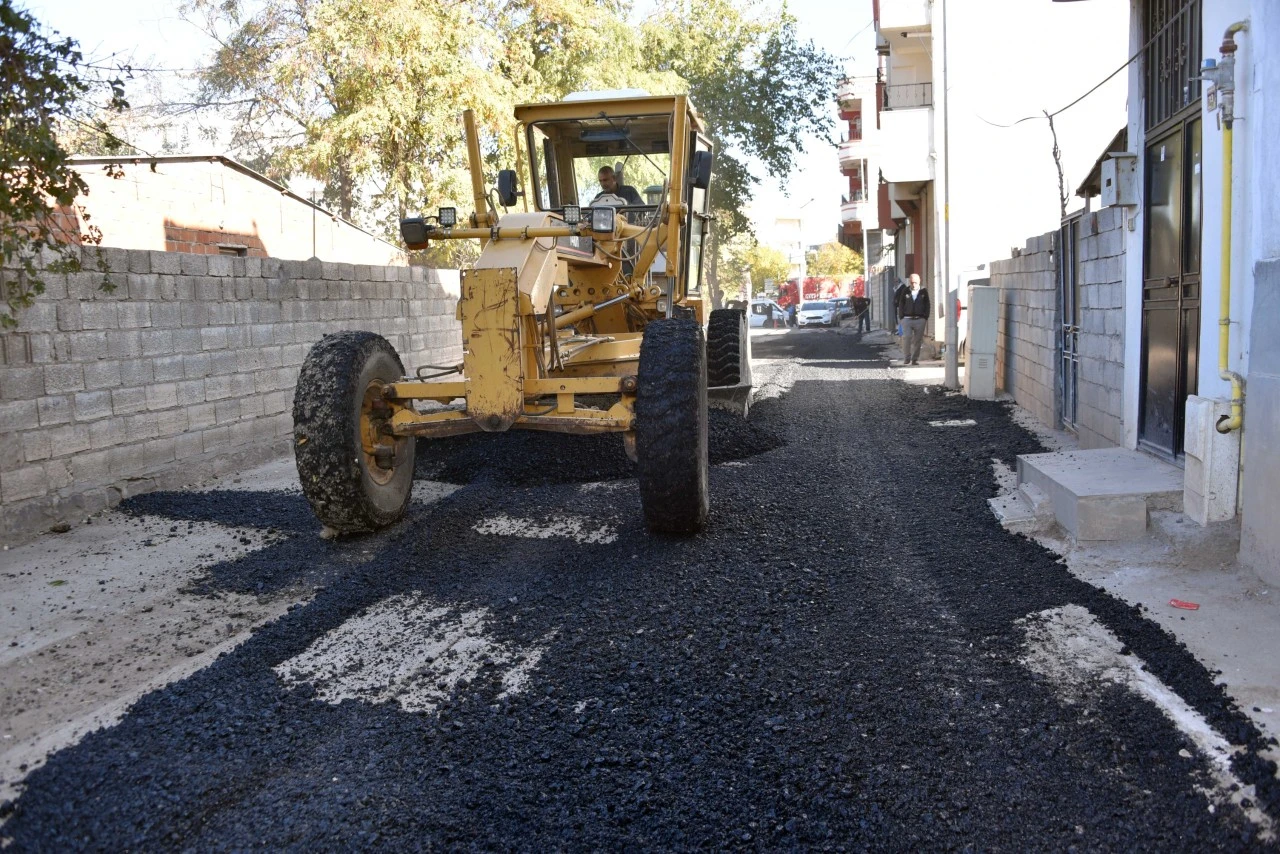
x=448 y=217
x=602 y=220
x=572 y=214
x=414 y=230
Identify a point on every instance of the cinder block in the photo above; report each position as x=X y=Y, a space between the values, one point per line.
x=90 y=405
x=134 y=372
x=172 y=422
x=63 y=378
x=144 y=425
x=213 y=338
x=21 y=383
x=190 y=392
x=102 y=375
x=195 y=265
x=88 y=346
x=69 y=316
x=98 y=315
x=220 y=265
x=35 y=446
x=186 y=340
x=217 y=387
x=216 y=439
x=201 y=415
x=168 y=368
x=187 y=445
x=126 y=400
x=253 y=268
x=162 y=396
x=26 y=482
x=68 y=439
x=107 y=433
x=223 y=362
x=166 y=315
x=53 y=410
x=57 y=474
x=124 y=344
x=126 y=461
x=144 y=286
x=156 y=342
x=91 y=468
x=133 y=315
x=169 y=263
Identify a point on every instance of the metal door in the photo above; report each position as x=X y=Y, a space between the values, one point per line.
x=1068 y=252
x=1171 y=286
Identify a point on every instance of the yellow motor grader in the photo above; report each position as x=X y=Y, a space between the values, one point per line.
x=581 y=315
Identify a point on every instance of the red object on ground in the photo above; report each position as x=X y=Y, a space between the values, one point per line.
x=1186 y=606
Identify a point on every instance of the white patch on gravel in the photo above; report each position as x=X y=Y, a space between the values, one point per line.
x=409 y=650
x=605 y=485
x=1070 y=647
x=571 y=527
x=427 y=491
x=954 y=422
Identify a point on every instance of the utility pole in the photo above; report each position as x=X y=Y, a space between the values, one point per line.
x=951 y=375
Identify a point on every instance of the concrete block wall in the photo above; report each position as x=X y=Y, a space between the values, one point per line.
x=1028 y=361
x=186 y=370
x=1100 y=379
x=1026 y=344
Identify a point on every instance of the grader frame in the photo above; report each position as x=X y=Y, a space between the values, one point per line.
x=568 y=300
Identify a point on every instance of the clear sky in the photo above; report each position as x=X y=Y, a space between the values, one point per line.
x=1011 y=58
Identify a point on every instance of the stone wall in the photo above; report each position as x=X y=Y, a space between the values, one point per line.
x=1028 y=361
x=185 y=371
x=1026 y=354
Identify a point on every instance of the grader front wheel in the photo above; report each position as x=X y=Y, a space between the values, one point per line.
x=356 y=476
x=671 y=426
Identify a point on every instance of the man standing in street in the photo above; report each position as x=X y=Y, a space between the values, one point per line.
x=913 y=311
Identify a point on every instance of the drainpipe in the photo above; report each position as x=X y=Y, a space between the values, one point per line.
x=1224 y=78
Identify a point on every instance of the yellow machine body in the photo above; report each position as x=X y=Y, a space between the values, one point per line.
x=555 y=309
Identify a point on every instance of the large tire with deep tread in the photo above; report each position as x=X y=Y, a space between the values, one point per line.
x=347 y=492
x=671 y=426
x=726 y=347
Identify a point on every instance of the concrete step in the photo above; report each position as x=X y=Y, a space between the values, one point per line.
x=1014 y=513
x=1101 y=494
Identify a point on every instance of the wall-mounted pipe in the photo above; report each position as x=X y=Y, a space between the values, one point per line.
x=1224 y=78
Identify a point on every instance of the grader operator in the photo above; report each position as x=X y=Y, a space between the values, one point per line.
x=581 y=296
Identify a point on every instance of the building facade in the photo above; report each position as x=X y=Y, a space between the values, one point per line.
x=213 y=205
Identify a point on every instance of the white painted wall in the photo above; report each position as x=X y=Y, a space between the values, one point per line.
x=1134 y=224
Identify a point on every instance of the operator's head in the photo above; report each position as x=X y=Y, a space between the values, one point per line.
x=915 y=281
x=608 y=181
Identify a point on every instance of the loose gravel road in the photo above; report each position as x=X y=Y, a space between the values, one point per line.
x=854 y=656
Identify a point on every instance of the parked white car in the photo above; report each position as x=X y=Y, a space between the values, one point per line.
x=817 y=313
x=759 y=317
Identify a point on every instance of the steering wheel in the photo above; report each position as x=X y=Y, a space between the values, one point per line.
x=610 y=199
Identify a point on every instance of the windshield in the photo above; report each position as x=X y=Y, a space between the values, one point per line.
x=816 y=306
x=569 y=157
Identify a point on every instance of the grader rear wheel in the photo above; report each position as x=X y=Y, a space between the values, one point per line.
x=671 y=426
x=356 y=476
x=727 y=358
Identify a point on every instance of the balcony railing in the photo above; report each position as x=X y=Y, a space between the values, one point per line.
x=904 y=96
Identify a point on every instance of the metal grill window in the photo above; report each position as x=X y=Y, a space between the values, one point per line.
x=907 y=95
x=1171 y=58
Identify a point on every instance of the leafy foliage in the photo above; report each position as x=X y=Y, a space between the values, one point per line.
x=42 y=81
x=766 y=264
x=833 y=259
x=364 y=95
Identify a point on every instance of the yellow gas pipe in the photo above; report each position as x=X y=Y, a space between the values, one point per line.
x=1226 y=87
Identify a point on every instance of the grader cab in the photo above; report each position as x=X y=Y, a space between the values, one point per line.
x=582 y=314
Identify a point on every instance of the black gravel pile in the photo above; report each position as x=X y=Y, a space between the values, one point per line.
x=833 y=664
x=534 y=458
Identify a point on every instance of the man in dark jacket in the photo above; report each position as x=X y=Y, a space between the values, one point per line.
x=913 y=311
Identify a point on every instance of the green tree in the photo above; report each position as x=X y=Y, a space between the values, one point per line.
x=833 y=259
x=766 y=264
x=43 y=81
x=734 y=263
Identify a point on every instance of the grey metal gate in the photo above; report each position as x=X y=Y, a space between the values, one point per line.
x=1067 y=251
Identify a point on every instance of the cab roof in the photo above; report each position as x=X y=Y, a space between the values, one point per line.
x=613 y=107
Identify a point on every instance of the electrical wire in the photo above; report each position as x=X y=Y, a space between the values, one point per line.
x=1100 y=84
